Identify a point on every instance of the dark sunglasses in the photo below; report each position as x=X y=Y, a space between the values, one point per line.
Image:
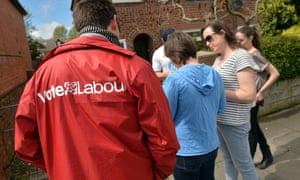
x=209 y=38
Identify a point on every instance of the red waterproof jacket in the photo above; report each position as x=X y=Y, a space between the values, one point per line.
x=94 y=110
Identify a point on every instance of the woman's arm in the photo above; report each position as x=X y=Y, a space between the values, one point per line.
x=246 y=92
x=273 y=76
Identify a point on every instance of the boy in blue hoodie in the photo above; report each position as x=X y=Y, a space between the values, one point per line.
x=196 y=95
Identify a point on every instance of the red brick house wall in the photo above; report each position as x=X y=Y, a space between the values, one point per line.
x=15 y=60
x=14 y=51
x=142 y=21
x=150 y=17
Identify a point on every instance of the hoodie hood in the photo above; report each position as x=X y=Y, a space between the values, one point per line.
x=201 y=76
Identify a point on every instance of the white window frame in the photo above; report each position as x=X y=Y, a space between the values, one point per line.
x=123 y=43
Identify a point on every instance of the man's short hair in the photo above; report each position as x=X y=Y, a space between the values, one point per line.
x=93 y=12
x=166 y=33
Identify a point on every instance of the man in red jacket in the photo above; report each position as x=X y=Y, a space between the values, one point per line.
x=94 y=110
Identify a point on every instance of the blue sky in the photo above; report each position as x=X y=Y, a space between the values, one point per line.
x=47 y=14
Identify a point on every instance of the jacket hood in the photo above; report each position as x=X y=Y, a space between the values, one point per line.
x=201 y=76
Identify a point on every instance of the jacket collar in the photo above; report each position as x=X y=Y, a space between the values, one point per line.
x=88 y=42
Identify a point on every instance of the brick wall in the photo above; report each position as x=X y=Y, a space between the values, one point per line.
x=150 y=17
x=142 y=22
x=14 y=62
x=14 y=51
x=8 y=106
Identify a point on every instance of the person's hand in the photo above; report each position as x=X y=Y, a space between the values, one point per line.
x=259 y=97
x=169 y=72
x=168 y=178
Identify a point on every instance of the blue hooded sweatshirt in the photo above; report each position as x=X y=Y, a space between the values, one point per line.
x=196 y=95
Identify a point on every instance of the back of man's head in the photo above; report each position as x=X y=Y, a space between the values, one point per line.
x=93 y=12
x=166 y=33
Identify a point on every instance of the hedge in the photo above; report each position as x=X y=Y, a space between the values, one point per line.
x=284 y=53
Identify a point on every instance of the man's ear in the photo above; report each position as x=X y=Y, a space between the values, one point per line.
x=114 y=26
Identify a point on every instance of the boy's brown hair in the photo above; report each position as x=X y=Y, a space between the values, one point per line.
x=179 y=47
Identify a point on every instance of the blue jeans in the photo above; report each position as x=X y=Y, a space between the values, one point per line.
x=235 y=150
x=195 y=167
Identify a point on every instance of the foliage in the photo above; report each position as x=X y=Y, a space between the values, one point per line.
x=201 y=46
x=276 y=16
x=72 y=33
x=33 y=44
x=28 y=24
x=34 y=48
x=60 y=32
x=296 y=3
x=21 y=170
x=292 y=31
x=283 y=52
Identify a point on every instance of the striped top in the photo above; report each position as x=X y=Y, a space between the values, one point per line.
x=235 y=113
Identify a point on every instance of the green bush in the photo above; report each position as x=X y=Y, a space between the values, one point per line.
x=284 y=53
x=276 y=16
x=292 y=31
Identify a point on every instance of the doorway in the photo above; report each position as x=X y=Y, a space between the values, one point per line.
x=142 y=46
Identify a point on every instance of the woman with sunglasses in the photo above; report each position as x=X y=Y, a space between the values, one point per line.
x=249 y=39
x=236 y=68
